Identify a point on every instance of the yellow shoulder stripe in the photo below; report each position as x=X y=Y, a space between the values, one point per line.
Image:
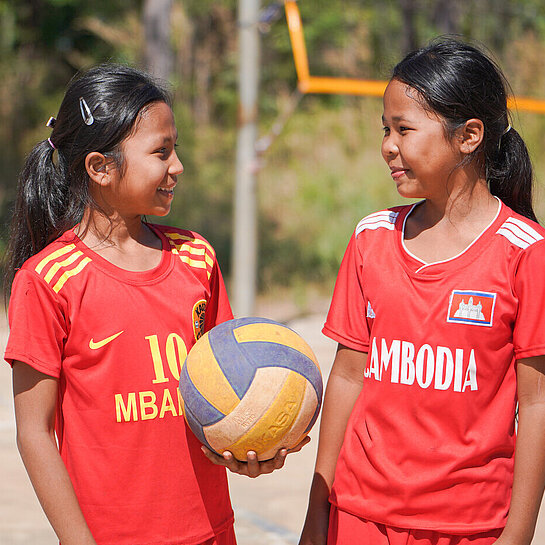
x=196 y=252
x=72 y=272
x=51 y=257
x=196 y=241
x=194 y=256
x=56 y=266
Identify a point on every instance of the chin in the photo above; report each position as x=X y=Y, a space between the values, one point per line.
x=408 y=192
x=159 y=212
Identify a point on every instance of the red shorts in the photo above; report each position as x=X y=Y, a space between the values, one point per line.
x=347 y=529
x=227 y=537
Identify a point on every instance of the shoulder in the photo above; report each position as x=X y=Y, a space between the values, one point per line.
x=193 y=250
x=384 y=219
x=60 y=247
x=521 y=232
x=185 y=240
x=57 y=262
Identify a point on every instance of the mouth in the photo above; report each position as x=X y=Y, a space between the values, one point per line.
x=397 y=172
x=168 y=191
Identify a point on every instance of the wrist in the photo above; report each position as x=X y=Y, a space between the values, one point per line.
x=513 y=536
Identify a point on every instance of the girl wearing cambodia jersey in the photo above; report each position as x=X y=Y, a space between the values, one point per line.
x=437 y=310
x=104 y=308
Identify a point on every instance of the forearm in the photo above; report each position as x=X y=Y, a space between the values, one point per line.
x=339 y=401
x=53 y=488
x=529 y=477
x=35 y=398
x=343 y=389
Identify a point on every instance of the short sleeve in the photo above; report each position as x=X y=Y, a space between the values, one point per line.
x=218 y=309
x=529 y=330
x=37 y=325
x=346 y=321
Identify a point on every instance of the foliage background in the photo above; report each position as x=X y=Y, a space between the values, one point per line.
x=324 y=172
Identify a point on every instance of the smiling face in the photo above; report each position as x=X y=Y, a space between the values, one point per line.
x=415 y=146
x=145 y=185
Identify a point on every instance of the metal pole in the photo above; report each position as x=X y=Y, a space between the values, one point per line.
x=244 y=270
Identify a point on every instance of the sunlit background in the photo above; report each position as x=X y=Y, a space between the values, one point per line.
x=323 y=172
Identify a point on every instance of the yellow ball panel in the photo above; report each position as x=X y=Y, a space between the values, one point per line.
x=208 y=378
x=266 y=386
x=297 y=431
x=279 y=417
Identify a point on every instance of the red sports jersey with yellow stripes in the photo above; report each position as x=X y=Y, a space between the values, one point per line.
x=430 y=441
x=116 y=341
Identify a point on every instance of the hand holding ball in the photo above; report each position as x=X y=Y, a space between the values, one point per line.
x=251 y=384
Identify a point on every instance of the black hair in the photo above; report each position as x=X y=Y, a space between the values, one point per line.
x=98 y=112
x=459 y=82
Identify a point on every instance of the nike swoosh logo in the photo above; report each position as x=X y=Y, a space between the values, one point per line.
x=99 y=344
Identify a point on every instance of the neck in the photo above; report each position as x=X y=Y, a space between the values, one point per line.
x=439 y=229
x=125 y=242
x=468 y=197
x=99 y=229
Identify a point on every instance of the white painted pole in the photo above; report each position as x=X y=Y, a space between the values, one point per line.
x=244 y=270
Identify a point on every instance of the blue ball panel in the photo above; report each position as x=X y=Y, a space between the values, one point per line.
x=238 y=369
x=314 y=416
x=239 y=361
x=196 y=428
x=202 y=410
x=260 y=353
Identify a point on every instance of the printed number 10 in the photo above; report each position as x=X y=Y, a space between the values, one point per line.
x=176 y=352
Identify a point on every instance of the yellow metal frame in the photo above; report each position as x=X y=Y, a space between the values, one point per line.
x=351 y=86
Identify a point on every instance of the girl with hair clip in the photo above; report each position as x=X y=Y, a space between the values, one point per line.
x=104 y=307
x=438 y=312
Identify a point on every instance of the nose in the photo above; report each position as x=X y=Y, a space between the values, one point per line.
x=176 y=166
x=389 y=147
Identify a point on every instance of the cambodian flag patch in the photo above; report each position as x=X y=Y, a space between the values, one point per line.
x=471 y=307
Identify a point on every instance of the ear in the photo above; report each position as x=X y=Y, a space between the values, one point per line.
x=471 y=135
x=99 y=168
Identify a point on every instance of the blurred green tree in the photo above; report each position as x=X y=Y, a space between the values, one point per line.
x=312 y=174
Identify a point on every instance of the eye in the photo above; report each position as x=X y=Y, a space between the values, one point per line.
x=386 y=130
x=404 y=129
x=164 y=152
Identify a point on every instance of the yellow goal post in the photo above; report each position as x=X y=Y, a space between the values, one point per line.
x=352 y=86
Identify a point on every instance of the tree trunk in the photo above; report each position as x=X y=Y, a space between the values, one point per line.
x=409 y=38
x=158 y=54
x=447 y=16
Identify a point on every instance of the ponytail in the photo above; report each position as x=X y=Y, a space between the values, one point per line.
x=510 y=175
x=44 y=209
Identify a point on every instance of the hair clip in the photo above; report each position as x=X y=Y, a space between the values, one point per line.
x=507 y=129
x=51 y=122
x=51 y=143
x=88 y=118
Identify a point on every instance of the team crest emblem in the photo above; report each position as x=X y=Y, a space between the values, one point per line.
x=199 y=309
x=471 y=307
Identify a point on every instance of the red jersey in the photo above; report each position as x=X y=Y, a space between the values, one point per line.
x=431 y=438
x=116 y=341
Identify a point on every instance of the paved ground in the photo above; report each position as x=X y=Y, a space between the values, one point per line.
x=269 y=510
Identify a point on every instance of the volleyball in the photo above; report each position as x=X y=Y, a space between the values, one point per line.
x=251 y=384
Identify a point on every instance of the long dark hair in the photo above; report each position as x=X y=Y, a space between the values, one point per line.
x=459 y=82
x=98 y=111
